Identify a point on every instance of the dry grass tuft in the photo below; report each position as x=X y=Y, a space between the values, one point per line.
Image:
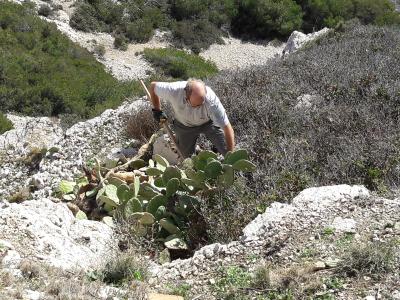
x=141 y=125
x=373 y=259
x=20 y=196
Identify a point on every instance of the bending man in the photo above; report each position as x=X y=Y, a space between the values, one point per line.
x=196 y=110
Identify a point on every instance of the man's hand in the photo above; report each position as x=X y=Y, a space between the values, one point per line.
x=159 y=115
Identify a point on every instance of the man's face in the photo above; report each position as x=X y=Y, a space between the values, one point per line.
x=197 y=96
x=195 y=100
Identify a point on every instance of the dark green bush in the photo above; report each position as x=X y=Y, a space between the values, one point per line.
x=85 y=19
x=121 y=42
x=43 y=73
x=217 y=12
x=45 y=10
x=320 y=13
x=140 y=30
x=196 y=35
x=102 y=15
x=350 y=134
x=266 y=18
x=5 y=124
x=178 y=64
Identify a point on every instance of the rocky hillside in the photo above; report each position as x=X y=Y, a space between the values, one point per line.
x=330 y=242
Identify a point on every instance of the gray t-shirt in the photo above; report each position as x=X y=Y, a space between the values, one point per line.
x=211 y=109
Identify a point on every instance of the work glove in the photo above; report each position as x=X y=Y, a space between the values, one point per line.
x=159 y=115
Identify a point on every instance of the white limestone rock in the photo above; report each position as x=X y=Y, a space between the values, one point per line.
x=344 y=225
x=298 y=39
x=47 y=231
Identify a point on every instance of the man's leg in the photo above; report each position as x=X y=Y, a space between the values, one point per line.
x=216 y=136
x=186 y=138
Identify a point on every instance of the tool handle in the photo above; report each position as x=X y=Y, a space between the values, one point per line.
x=146 y=90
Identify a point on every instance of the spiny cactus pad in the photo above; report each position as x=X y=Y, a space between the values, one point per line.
x=66 y=187
x=171 y=172
x=155 y=203
x=111 y=192
x=169 y=226
x=172 y=186
x=213 y=169
x=137 y=164
x=244 y=165
x=147 y=219
x=154 y=172
x=232 y=157
x=161 y=160
x=132 y=206
x=175 y=242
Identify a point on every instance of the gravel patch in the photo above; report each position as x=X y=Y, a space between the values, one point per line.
x=238 y=54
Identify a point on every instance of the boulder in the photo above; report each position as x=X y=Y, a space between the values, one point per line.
x=298 y=39
x=45 y=231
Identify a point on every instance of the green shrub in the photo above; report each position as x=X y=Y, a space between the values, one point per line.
x=5 y=124
x=124 y=269
x=227 y=212
x=121 y=42
x=140 y=30
x=85 y=19
x=218 y=13
x=45 y=10
x=40 y=66
x=266 y=18
x=374 y=259
x=100 y=50
x=196 y=35
x=320 y=13
x=178 y=64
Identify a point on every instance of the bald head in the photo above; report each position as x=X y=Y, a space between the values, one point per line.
x=195 y=92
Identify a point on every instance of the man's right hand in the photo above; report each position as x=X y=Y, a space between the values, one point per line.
x=159 y=115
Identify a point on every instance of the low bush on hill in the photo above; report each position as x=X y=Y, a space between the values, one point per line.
x=198 y=24
x=320 y=13
x=348 y=133
x=43 y=73
x=5 y=124
x=267 y=18
x=179 y=64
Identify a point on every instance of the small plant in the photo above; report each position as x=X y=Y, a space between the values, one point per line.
x=20 y=196
x=5 y=124
x=100 y=50
x=345 y=240
x=45 y=10
x=308 y=252
x=180 y=290
x=232 y=279
x=327 y=231
x=373 y=259
x=122 y=270
x=34 y=157
x=335 y=283
x=141 y=125
x=179 y=64
x=121 y=42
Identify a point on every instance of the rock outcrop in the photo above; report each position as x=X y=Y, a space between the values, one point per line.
x=298 y=39
x=44 y=231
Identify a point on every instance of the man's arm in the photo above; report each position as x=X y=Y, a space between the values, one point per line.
x=229 y=137
x=155 y=100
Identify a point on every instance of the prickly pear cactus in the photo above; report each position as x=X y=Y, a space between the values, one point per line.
x=155 y=196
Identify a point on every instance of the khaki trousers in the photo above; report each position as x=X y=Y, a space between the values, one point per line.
x=187 y=136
